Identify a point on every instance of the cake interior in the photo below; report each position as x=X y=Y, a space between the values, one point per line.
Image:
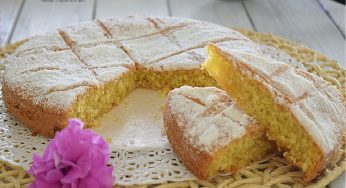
x=281 y=125
x=241 y=152
x=97 y=101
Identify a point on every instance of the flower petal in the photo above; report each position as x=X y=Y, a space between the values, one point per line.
x=76 y=157
x=54 y=176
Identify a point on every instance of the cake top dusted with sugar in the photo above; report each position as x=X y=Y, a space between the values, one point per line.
x=55 y=68
x=208 y=117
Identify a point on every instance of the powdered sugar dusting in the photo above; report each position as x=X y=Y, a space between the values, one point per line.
x=151 y=48
x=104 y=55
x=182 y=61
x=237 y=115
x=46 y=72
x=106 y=74
x=293 y=85
x=208 y=117
x=325 y=115
x=61 y=99
x=129 y=27
x=51 y=41
x=86 y=32
x=203 y=33
x=261 y=65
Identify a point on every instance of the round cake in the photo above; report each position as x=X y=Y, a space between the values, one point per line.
x=84 y=70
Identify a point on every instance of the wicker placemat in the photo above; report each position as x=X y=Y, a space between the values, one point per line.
x=274 y=171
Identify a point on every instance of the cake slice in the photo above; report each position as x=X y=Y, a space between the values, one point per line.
x=210 y=133
x=302 y=113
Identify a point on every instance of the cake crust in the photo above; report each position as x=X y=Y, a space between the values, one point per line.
x=39 y=119
x=194 y=159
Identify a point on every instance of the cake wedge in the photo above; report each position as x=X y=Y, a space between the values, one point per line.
x=209 y=132
x=303 y=114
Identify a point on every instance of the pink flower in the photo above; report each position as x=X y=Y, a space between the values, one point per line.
x=74 y=158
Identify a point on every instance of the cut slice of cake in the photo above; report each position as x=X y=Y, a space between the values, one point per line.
x=302 y=113
x=210 y=133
